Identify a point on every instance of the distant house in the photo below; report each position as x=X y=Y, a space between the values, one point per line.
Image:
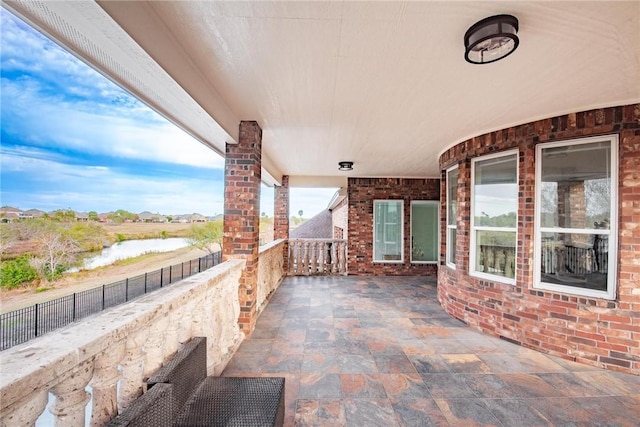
x=196 y=217
x=34 y=213
x=104 y=217
x=82 y=216
x=9 y=213
x=147 y=216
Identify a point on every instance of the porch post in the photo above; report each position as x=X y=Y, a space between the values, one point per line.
x=243 y=163
x=281 y=216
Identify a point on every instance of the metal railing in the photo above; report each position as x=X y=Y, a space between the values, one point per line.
x=317 y=257
x=19 y=326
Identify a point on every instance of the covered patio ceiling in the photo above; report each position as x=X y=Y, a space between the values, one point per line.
x=382 y=84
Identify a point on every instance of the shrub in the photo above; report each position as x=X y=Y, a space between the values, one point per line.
x=16 y=273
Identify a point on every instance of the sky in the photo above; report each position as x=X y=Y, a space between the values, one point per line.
x=71 y=138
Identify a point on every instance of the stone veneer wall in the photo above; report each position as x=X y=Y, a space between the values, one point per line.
x=271 y=271
x=594 y=331
x=124 y=345
x=361 y=194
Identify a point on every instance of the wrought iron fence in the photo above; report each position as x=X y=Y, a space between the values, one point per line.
x=20 y=326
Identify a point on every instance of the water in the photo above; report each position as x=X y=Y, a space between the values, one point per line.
x=133 y=248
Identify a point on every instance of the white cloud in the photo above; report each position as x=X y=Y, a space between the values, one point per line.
x=47 y=120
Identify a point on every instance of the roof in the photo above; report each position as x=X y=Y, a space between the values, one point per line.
x=318 y=227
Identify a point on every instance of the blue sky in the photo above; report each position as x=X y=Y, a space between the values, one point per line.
x=72 y=139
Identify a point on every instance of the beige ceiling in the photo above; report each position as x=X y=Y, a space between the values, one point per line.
x=382 y=84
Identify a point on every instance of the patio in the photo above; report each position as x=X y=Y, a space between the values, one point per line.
x=380 y=351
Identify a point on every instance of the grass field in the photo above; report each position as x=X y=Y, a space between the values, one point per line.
x=144 y=230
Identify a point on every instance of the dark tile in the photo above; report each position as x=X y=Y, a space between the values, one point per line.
x=466 y=363
x=319 y=363
x=283 y=363
x=429 y=363
x=351 y=347
x=357 y=364
x=488 y=385
x=320 y=386
x=320 y=334
x=419 y=413
x=516 y=412
x=360 y=386
x=447 y=385
x=466 y=412
x=325 y=347
x=562 y=411
x=529 y=385
x=320 y=413
x=394 y=364
x=570 y=385
x=404 y=386
x=369 y=412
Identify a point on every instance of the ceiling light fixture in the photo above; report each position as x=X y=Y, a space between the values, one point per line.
x=491 y=39
x=345 y=166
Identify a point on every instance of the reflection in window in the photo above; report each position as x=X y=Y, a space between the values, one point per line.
x=452 y=212
x=494 y=205
x=577 y=199
x=388 y=230
x=424 y=231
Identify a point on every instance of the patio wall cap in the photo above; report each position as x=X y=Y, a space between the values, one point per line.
x=43 y=361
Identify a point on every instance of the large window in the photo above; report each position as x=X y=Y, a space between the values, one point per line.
x=452 y=214
x=576 y=199
x=388 y=230
x=494 y=207
x=424 y=231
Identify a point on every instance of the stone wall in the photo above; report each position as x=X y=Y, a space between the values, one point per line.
x=361 y=192
x=124 y=344
x=594 y=331
x=271 y=271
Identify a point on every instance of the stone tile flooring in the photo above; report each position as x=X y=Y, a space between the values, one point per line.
x=379 y=351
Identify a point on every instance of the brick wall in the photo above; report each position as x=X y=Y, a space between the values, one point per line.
x=281 y=216
x=361 y=194
x=590 y=330
x=242 y=214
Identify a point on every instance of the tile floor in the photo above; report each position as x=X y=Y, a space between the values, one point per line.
x=379 y=351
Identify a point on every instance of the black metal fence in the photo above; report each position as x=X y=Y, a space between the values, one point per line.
x=27 y=323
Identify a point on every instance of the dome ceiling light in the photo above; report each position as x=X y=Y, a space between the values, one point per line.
x=491 y=39
x=345 y=166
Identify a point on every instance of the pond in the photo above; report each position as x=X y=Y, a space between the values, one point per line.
x=133 y=248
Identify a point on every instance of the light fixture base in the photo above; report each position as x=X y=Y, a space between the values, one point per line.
x=345 y=166
x=491 y=39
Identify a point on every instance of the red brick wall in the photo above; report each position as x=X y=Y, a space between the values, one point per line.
x=281 y=216
x=594 y=331
x=361 y=194
x=242 y=214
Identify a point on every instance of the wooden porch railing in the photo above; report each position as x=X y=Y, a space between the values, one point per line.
x=309 y=257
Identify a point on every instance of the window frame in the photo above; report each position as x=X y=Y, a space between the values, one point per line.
x=450 y=227
x=401 y=225
x=473 y=229
x=612 y=233
x=436 y=204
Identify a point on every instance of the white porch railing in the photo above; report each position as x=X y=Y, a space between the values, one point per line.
x=112 y=352
x=317 y=257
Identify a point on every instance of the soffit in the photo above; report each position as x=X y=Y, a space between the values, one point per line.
x=382 y=84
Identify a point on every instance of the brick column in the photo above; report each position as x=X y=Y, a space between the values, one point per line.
x=242 y=214
x=281 y=216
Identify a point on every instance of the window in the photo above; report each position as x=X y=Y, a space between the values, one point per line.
x=424 y=231
x=494 y=206
x=576 y=200
x=452 y=214
x=388 y=231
